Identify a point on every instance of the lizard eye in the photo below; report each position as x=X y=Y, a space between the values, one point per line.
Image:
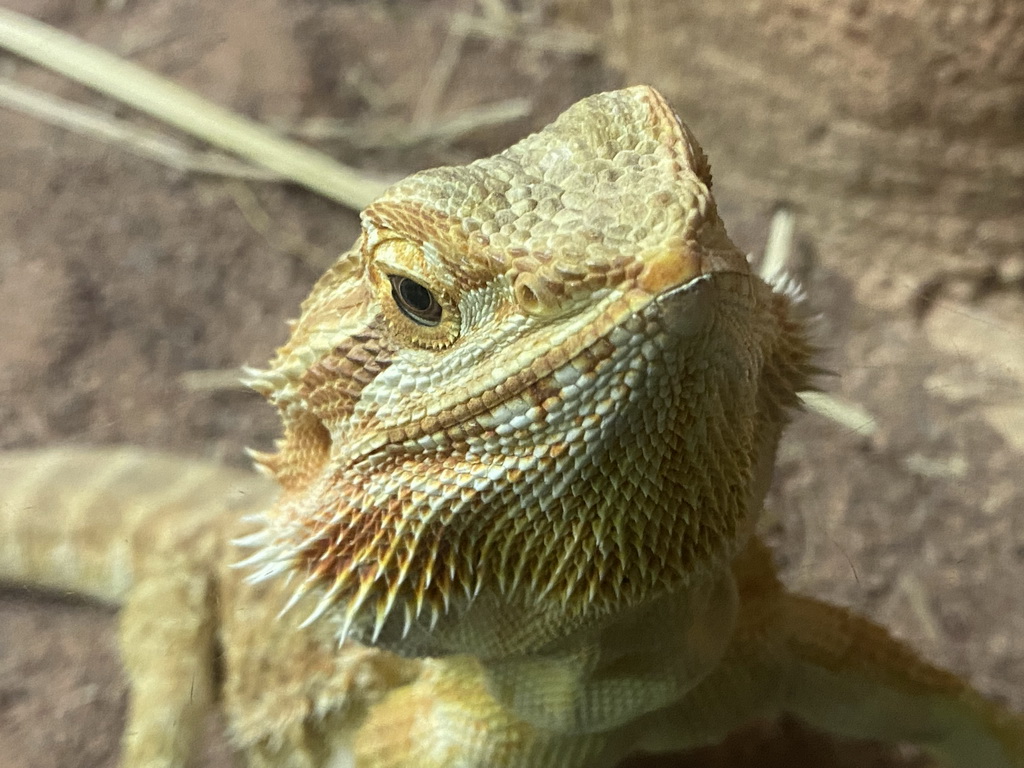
x=416 y=302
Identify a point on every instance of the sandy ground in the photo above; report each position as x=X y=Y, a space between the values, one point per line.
x=117 y=276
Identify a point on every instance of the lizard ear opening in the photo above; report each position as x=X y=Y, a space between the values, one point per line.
x=301 y=453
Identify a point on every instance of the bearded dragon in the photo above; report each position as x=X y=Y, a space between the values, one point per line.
x=529 y=421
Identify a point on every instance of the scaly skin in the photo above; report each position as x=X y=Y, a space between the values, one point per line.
x=529 y=422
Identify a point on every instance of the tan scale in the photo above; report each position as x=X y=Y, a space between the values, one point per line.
x=529 y=421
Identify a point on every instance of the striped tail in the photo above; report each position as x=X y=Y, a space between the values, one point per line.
x=69 y=516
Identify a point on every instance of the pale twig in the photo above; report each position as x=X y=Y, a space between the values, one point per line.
x=558 y=39
x=845 y=413
x=494 y=9
x=774 y=267
x=910 y=587
x=622 y=16
x=214 y=380
x=97 y=124
x=383 y=133
x=441 y=72
x=531 y=12
x=183 y=109
x=277 y=235
x=778 y=250
x=496 y=23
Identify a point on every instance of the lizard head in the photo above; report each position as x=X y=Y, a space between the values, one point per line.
x=546 y=381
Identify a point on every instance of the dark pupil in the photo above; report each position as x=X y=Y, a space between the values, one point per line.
x=415 y=296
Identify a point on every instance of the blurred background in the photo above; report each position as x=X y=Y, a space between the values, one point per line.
x=893 y=130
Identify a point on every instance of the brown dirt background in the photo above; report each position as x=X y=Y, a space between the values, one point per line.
x=895 y=130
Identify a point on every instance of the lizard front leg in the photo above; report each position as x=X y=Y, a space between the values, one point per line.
x=851 y=677
x=846 y=675
x=169 y=637
x=839 y=672
x=168 y=641
x=449 y=718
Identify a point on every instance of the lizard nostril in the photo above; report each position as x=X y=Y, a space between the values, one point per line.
x=534 y=295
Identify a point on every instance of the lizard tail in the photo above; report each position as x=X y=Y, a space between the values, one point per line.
x=853 y=678
x=73 y=519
